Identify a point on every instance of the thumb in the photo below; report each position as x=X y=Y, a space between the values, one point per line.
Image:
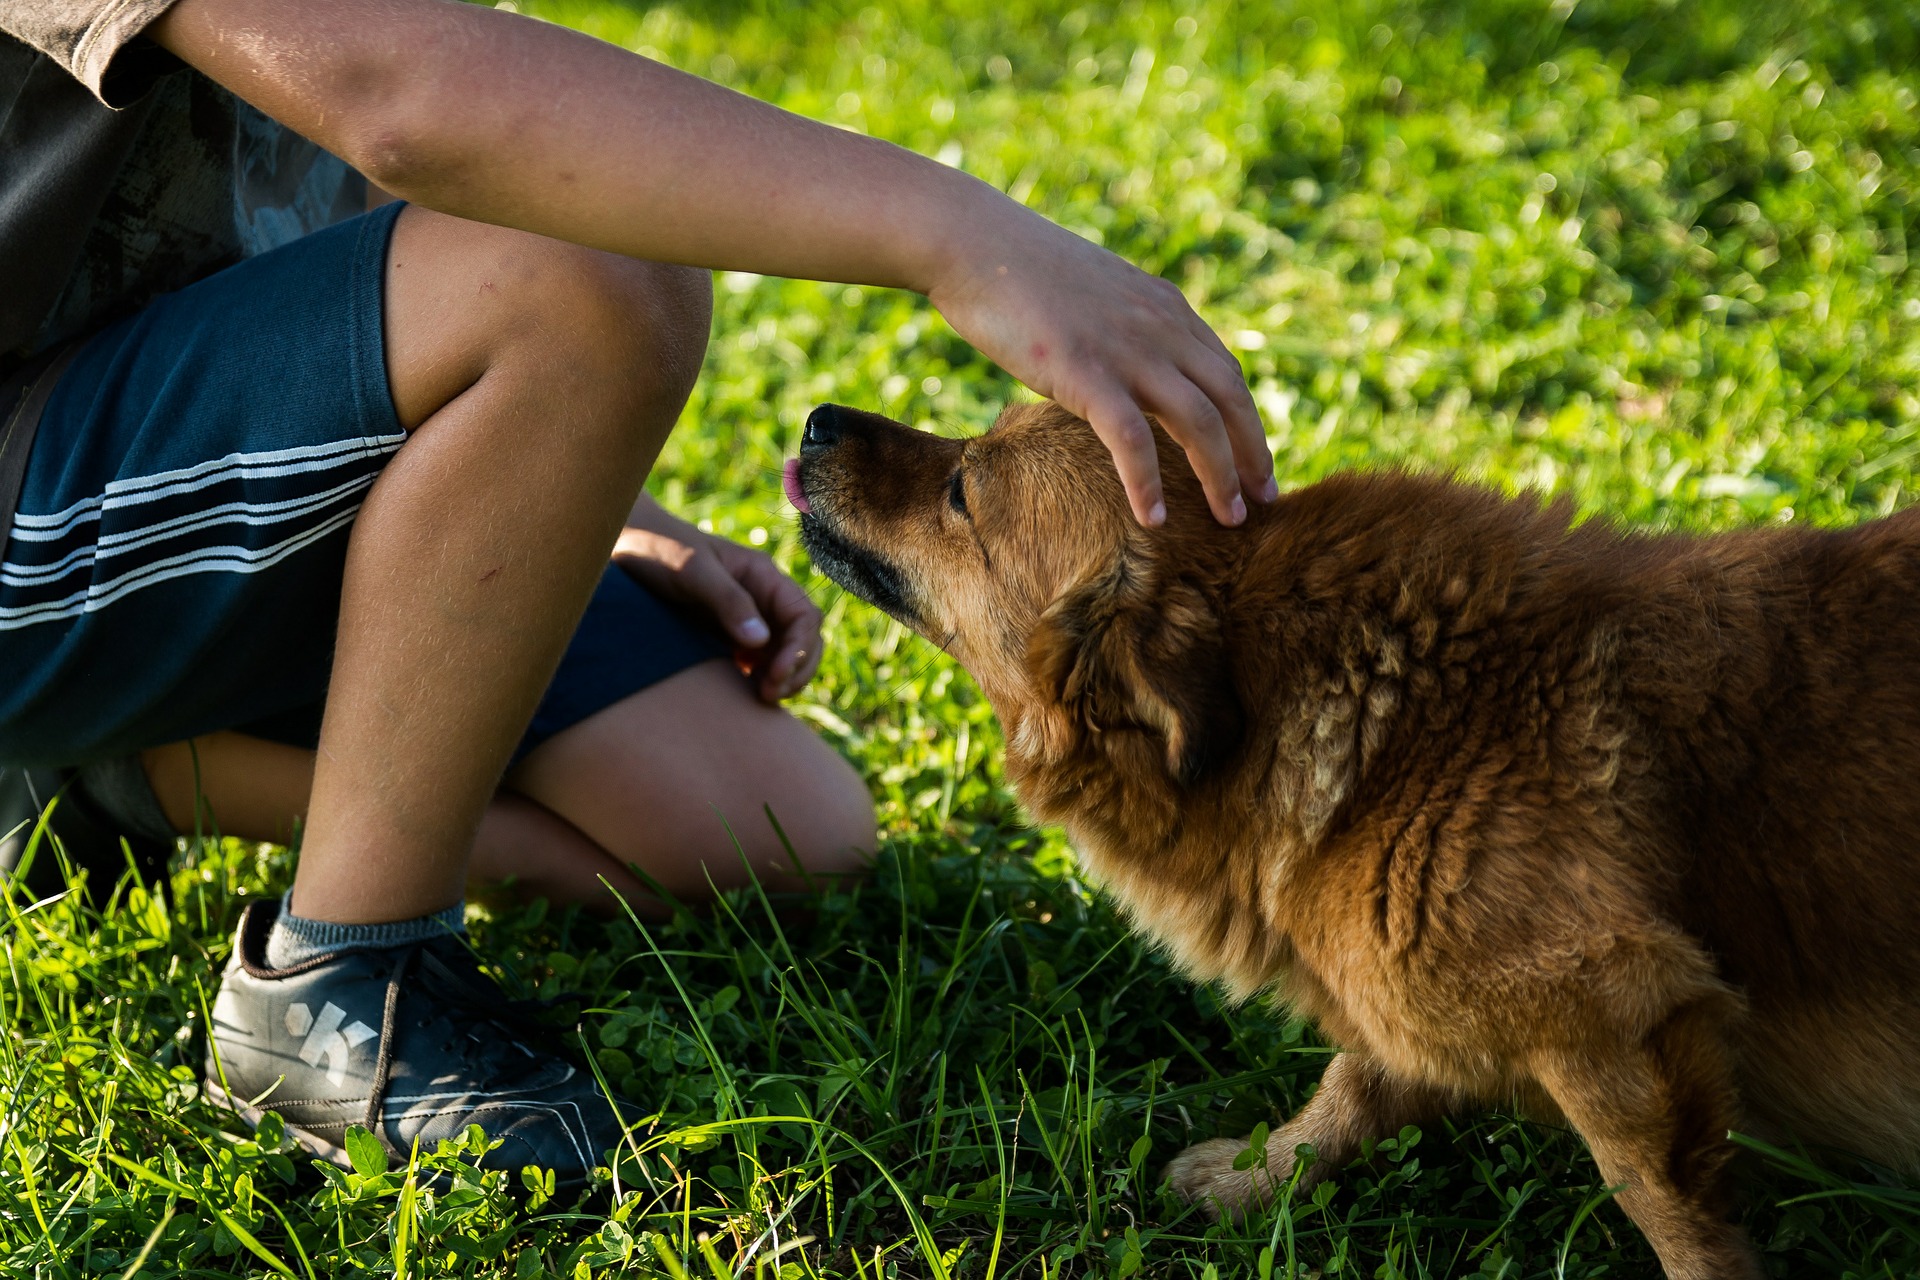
x=709 y=581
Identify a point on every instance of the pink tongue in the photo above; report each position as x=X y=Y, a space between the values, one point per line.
x=790 y=479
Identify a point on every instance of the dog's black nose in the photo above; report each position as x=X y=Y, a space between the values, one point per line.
x=823 y=428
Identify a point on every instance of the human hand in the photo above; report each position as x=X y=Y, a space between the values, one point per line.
x=1106 y=340
x=771 y=620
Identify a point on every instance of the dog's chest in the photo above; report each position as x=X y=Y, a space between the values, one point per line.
x=1216 y=915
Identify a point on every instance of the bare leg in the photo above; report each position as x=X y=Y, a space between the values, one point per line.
x=671 y=778
x=656 y=773
x=525 y=851
x=1356 y=1100
x=538 y=381
x=259 y=790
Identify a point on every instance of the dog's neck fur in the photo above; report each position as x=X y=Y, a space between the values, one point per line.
x=1222 y=915
x=1364 y=618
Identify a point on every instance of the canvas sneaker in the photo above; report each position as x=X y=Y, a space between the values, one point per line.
x=412 y=1042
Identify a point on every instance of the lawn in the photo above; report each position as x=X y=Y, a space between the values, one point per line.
x=1652 y=256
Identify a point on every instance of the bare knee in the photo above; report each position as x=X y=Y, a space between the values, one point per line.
x=644 y=319
x=836 y=831
x=679 y=779
x=465 y=300
x=641 y=321
x=813 y=820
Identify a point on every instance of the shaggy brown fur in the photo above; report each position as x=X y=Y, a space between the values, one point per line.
x=1626 y=827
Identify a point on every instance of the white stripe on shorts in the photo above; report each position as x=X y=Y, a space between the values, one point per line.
x=311 y=460
x=210 y=560
x=126 y=540
x=167 y=484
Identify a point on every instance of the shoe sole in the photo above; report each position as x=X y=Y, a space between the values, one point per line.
x=312 y=1143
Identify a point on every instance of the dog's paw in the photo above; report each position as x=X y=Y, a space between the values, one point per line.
x=1204 y=1173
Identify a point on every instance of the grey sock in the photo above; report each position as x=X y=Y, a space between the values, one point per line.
x=294 y=939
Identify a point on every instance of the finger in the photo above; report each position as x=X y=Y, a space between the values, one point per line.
x=809 y=666
x=1223 y=383
x=1191 y=419
x=800 y=639
x=707 y=580
x=1213 y=341
x=1187 y=316
x=781 y=599
x=788 y=673
x=796 y=625
x=1117 y=420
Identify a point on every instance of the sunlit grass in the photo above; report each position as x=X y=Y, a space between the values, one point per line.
x=1653 y=258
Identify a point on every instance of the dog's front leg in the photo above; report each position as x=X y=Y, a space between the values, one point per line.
x=1357 y=1100
x=1655 y=1115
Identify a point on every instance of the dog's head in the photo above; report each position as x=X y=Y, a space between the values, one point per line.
x=1016 y=552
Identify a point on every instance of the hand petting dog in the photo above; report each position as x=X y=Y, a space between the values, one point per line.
x=439 y=116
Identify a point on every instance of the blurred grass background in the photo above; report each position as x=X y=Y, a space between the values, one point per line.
x=1654 y=256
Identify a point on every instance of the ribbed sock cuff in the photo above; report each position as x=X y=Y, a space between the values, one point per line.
x=295 y=940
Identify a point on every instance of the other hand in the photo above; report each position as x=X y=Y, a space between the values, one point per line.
x=774 y=626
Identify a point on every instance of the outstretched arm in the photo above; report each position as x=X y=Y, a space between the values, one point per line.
x=498 y=118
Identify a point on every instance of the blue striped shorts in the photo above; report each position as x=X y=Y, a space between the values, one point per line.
x=174 y=567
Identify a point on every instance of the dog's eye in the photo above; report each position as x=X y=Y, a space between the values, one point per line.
x=957 y=495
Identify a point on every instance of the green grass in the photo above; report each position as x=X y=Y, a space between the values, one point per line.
x=1654 y=256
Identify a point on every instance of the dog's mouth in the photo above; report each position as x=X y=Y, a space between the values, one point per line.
x=859 y=570
x=796 y=494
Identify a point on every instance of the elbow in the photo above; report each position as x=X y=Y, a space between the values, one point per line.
x=391 y=121
x=390 y=159
x=381 y=84
x=397 y=149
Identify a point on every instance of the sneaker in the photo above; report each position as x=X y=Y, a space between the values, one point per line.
x=412 y=1042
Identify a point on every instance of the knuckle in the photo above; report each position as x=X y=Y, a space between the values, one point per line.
x=1126 y=432
x=1229 y=371
x=1201 y=405
x=1190 y=406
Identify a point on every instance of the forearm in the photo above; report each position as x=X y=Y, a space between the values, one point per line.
x=494 y=117
x=502 y=119
x=654 y=533
x=647 y=513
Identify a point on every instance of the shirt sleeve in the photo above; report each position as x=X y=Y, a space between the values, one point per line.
x=86 y=38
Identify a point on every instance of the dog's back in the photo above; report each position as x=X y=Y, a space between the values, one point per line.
x=1793 y=704
x=1751 y=702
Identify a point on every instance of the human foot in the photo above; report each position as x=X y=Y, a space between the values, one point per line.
x=411 y=1042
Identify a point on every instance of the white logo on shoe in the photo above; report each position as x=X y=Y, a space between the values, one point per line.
x=325 y=1040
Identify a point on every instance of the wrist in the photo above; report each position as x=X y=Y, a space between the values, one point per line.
x=653 y=532
x=970 y=230
x=1015 y=248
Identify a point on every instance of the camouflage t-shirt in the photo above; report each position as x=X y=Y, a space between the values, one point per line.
x=124 y=175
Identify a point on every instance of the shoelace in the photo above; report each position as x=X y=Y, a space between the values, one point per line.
x=483 y=1004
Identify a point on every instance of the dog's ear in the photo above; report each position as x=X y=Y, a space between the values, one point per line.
x=1114 y=654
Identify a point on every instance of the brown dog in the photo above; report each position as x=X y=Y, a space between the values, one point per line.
x=1625 y=827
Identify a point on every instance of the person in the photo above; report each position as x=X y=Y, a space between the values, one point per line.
x=313 y=507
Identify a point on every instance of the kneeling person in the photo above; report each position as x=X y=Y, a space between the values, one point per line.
x=309 y=510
